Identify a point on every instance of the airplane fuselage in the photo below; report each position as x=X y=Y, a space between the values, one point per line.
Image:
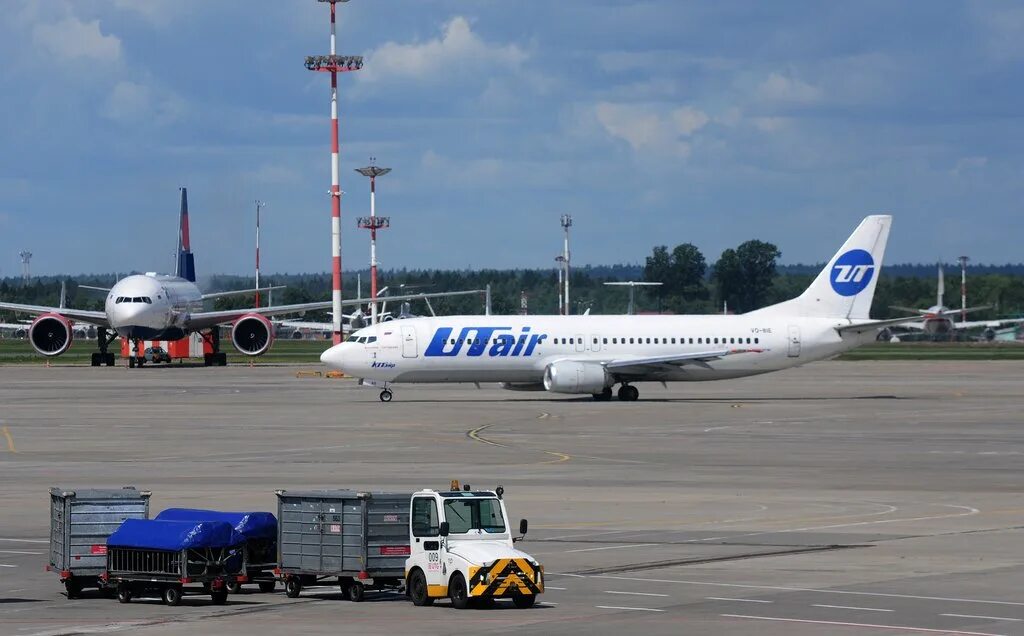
x=152 y=307
x=517 y=349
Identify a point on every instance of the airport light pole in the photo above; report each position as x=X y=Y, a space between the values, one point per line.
x=373 y=223
x=566 y=222
x=963 y=288
x=334 y=64
x=632 y=284
x=259 y=205
x=26 y=260
x=561 y=290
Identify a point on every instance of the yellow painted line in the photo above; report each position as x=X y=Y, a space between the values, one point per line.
x=10 y=440
x=559 y=457
x=475 y=436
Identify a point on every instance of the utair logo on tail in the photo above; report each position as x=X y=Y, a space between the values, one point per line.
x=852 y=272
x=494 y=341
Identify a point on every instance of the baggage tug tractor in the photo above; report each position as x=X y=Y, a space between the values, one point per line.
x=461 y=548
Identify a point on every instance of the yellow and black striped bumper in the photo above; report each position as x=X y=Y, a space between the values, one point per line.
x=506 y=578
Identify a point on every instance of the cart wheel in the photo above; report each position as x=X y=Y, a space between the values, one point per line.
x=233 y=587
x=172 y=595
x=219 y=597
x=458 y=591
x=524 y=601
x=418 y=589
x=268 y=586
x=357 y=592
x=292 y=587
x=124 y=593
x=72 y=587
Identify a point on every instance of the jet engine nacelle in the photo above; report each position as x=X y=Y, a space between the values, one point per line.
x=252 y=334
x=567 y=376
x=51 y=334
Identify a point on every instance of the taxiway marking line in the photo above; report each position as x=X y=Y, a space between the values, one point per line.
x=856 y=609
x=987 y=618
x=629 y=609
x=635 y=593
x=476 y=437
x=902 y=628
x=781 y=588
x=26 y=540
x=552 y=587
x=18 y=552
x=613 y=547
x=10 y=440
x=4 y=565
x=737 y=600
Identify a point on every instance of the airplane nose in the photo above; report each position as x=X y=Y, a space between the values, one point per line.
x=333 y=356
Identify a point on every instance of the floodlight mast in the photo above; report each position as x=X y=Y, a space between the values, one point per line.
x=963 y=288
x=335 y=64
x=373 y=223
x=560 y=259
x=566 y=222
x=259 y=205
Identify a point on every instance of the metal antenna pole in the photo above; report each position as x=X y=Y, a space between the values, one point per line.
x=566 y=221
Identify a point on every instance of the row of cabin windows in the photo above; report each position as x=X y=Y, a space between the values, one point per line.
x=136 y=299
x=614 y=341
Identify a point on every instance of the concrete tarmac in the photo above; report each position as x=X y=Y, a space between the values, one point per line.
x=837 y=498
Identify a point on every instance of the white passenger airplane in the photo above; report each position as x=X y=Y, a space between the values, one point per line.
x=158 y=307
x=591 y=354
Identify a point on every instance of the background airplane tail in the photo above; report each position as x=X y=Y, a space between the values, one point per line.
x=186 y=267
x=846 y=286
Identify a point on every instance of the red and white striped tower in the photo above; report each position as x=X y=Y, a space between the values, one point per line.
x=335 y=64
x=373 y=223
x=259 y=204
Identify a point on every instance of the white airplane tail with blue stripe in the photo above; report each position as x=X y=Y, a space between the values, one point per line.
x=845 y=288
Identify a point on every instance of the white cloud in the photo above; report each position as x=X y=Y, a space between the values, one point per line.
x=650 y=128
x=458 y=47
x=782 y=88
x=72 y=38
x=769 y=124
x=131 y=102
x=968 y=165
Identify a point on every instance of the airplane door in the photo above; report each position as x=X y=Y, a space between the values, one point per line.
x=794 y=341
x=409 y=348
x=581 y=343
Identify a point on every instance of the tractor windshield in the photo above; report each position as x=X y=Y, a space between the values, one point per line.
x=466 y=514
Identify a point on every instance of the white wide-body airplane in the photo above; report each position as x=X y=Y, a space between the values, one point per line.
x=159 y=307
x=592 y=354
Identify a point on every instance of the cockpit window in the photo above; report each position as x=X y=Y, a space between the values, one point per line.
x=352 y=338
x=120 y=299
x=137 y=299
x=371 y=339
x=362 y=339
x=147 y=300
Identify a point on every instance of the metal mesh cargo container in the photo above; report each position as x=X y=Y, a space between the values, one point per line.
x=80 y=522
x=359 y=538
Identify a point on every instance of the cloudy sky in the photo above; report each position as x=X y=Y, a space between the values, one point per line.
x=658 y=121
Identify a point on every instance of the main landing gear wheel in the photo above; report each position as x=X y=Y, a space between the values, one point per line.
x=604 y=395
x=386 y=395
x=628 y=393
x=131 y=362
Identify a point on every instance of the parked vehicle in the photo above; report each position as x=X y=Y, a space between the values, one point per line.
x=156 y=354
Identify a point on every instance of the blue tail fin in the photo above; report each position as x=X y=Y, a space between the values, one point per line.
x=186 y=263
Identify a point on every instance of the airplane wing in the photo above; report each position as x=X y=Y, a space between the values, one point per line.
x=205 y=319
x=239 y=292
x=642 y=366
x=97 y=318
x=910 y=310
x=94 y=288
x=303 y=324
x=872 y=325
x=994 y=324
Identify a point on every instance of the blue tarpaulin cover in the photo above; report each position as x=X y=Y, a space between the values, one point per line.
x=151 y=534
x=251 y=525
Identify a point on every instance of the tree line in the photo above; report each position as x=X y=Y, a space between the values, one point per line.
x=743 y=278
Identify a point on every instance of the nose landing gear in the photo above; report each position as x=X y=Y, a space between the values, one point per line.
x=103 y=339
x=386 y=395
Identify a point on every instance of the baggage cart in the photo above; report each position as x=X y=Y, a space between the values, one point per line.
x=80 y=522
x=171 y=558
x=259 y=551
x=359 y=539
